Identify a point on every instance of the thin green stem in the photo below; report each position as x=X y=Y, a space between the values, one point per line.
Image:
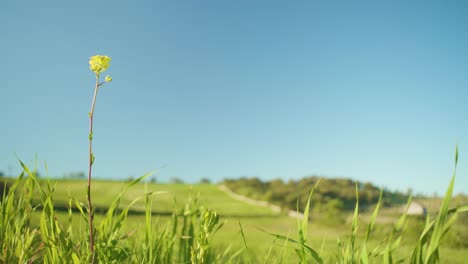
x=91 y=161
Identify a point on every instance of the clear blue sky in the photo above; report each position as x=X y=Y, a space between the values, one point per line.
x=360 y=89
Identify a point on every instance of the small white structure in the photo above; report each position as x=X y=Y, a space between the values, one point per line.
x=416 y=209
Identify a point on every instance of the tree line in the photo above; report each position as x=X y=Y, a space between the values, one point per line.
x=336 y=194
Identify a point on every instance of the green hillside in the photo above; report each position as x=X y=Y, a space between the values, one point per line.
x=171 y=196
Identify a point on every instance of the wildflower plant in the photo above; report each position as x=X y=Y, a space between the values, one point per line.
x=98 y=64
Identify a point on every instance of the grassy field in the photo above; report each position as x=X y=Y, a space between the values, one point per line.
x=170 y=196
x=261 y=247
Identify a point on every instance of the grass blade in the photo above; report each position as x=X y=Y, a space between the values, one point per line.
x=245 y=243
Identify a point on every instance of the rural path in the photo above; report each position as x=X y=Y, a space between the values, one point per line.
x=274 y=208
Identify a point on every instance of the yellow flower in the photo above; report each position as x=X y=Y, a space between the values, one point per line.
x=99 y=63
x=108 y=79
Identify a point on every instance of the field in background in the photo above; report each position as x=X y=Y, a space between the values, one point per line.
x=170 y=196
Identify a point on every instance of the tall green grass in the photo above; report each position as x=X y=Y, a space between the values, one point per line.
x=187 y=237
x=22 y=241
x=355 y=250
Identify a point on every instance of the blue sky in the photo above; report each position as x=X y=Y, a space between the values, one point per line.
x=360 y=89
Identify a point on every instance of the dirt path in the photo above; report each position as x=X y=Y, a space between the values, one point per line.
x=248 y=200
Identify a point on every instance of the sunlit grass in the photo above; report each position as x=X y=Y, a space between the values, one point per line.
x=192 y=231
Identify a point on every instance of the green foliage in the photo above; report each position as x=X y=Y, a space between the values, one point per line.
x=333 y=213
x=303 y=250
x=18 y=242
x=188 y=235
x=201 y=252
x=427 y=250
x=333 y=196
x=52 y=242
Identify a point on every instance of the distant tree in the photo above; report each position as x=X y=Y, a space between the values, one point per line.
x=333 y=212
x=205 y=180
x=2 y=174
x=153 y=179
x=276 y=183
x=175 y=180
x=74 y=175
x=333 y=194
